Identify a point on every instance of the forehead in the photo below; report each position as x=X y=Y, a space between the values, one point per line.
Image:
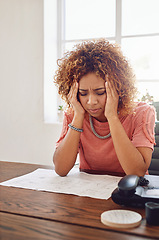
x=91 y=81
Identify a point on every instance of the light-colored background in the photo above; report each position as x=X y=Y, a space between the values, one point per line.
x=30 y=43
x=24 y=137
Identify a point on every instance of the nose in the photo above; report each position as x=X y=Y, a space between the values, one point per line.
x=92 y=99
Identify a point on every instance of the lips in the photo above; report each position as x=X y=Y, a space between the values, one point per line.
x=94 y=110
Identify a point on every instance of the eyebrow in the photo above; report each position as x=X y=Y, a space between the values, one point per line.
x=84 y=90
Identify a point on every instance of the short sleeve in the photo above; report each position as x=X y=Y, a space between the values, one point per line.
x=66 y=120
x=144 y=135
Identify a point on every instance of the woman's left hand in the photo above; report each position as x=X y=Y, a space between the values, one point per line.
x=111 y=106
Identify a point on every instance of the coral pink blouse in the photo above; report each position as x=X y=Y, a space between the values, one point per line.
x=99 y=154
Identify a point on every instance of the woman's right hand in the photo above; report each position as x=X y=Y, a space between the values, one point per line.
x=72 y=97
x=66 y=153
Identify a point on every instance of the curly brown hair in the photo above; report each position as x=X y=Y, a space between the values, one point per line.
x=102 y=58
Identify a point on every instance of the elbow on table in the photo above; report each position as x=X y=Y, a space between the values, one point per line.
x=60 y=172
x=138 y=172
x=63 y=167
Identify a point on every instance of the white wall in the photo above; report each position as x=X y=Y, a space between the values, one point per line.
x=24 y=137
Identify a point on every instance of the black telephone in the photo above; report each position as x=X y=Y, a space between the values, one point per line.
x=129 y=192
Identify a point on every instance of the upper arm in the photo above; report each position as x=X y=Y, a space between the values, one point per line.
x=146 y=153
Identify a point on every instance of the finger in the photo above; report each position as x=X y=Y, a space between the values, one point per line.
x=112 y=89
x=106 y=78
x=72 y=97
x=71 y=90
x=75 y=90
x=108 y=89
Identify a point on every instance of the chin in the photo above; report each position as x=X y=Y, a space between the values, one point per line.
x=99 y=117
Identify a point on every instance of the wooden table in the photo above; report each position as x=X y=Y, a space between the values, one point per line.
x=30 y=214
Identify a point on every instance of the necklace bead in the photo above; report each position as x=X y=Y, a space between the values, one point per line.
x=95 y=133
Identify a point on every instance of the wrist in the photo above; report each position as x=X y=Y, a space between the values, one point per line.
x=78 y=120
x=112 y=118
x=75 y=128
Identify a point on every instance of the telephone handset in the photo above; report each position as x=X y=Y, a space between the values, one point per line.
x=129 y=192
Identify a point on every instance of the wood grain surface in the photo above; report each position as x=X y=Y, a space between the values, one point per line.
x=15 y=227
x=62 y=208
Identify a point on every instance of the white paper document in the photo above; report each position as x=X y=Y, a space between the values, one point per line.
x=77 y=183
x=152 y=190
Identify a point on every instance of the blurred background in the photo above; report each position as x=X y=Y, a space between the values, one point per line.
x=34 y=34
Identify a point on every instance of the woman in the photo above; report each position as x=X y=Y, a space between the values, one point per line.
x=103 y=123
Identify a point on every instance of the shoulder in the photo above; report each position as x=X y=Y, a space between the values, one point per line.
x=68 y=115
x=141 y=112
x=141 y=106
x=145 y=120
x=144 y=110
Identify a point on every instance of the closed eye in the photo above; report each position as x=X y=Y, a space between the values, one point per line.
x=100 y=93
x=83 y=93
